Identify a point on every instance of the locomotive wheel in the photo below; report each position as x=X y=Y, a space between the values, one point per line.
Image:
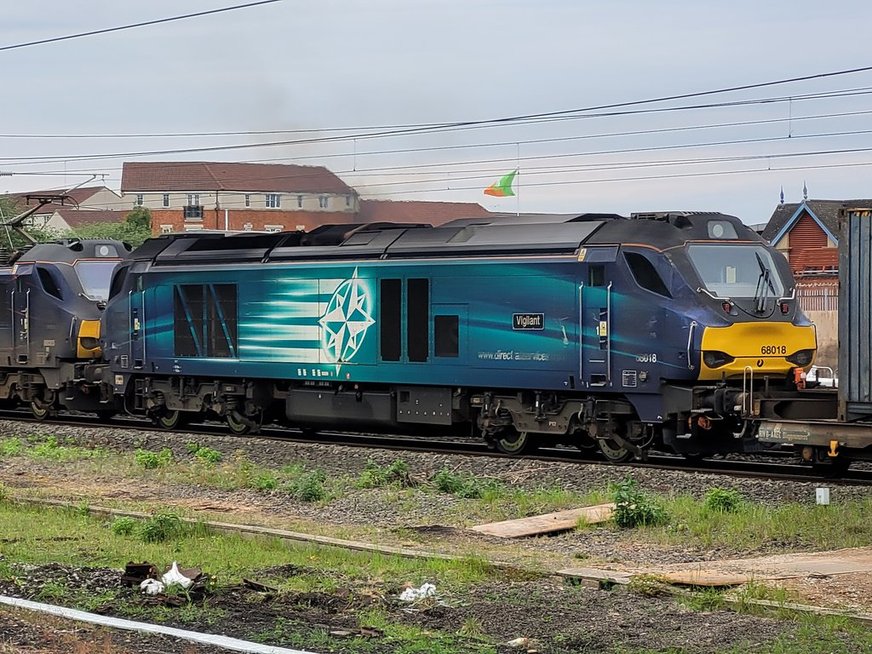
x=512 y=441
x=241 y=425
x=613 y=452
x=40 y=410
x=167 y=419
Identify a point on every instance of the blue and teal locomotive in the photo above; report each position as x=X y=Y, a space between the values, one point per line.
x=591 y=330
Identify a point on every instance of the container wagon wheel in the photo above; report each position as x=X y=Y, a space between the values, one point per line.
x=106 y=415
x=167 y=419
x=241 y=425
x=613 y=452
x=512 y=441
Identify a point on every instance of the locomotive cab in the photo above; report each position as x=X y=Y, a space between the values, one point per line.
x=51 y=299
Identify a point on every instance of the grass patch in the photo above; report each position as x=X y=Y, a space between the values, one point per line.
x=226 y=557
x=47 y=448
x=465 y=485
x=151 y=460
x=749 y=526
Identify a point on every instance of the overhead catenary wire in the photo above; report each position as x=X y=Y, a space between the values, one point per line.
x=119 y=28
x=340 y=138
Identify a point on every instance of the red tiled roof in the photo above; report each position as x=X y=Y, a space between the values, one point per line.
x=157 y=176
x=78 y=217
x=812 y=260
x=77 y=196
x=433 y=213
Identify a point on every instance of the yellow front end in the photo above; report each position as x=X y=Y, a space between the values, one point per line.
x=768 y=348
x=88 y=342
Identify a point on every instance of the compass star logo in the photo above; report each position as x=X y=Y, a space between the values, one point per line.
x=346 y=320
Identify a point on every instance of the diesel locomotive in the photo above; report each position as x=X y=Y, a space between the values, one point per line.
x=661 y=330
x=52 y=297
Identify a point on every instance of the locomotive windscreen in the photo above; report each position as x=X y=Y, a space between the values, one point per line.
x=736 y=271
x=95 y=277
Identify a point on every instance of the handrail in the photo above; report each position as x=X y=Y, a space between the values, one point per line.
x=690 y=332
x=580 y=333
x=609 y=334
x=748 y=373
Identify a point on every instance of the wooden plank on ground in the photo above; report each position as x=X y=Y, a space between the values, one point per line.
x=778 y=566
x=548 y=523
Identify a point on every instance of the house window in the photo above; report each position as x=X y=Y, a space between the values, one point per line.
x=193 y=212
x=193 y=199
x=347 y=200
x=273 y=200
x=166 y=199
x=166 y=229
x=299 y=201
x=247 y=200
x=247 y=227
x=273 y=228
x=139 y=199
x=323 y=201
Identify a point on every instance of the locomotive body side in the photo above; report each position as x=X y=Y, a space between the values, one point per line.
x=604 y=330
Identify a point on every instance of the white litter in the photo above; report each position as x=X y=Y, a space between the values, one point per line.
x=415 y=594
x=152 y=587
x=173 y=576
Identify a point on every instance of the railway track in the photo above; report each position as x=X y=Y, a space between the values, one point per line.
x=777 y=464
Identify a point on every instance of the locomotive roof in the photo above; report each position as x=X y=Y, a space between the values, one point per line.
x=70 y=251
x=525 y=234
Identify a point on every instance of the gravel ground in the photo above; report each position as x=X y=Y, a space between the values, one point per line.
x=557 y=617
x=384 y=509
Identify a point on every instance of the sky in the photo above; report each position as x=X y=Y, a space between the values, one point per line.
x=326 y=77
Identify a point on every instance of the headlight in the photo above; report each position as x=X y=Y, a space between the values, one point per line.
x=802 y=357
x=716 y=359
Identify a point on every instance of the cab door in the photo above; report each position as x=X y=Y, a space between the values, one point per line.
x=596 y=317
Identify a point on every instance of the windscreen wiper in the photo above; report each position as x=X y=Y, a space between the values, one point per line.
x=764 y=284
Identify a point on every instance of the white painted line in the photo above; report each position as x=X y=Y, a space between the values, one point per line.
x=117 y=623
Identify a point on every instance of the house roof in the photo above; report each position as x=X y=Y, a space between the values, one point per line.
x=824 y=212
x=77 y=195
x=78 y=217
x=157 y=176
x=421 y=212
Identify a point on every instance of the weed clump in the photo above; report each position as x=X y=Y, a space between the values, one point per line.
x=309 y=486
x=151 y=460
x=204 y=454
x=123 y=526
x=463 y=486
x=723 y=500
x=162 y=527
x=376 y=476
x=634 y=507
x=265 y=481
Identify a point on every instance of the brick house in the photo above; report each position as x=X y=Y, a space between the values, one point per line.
x=807 y=233
x=88 y=204
x=193 y=196
x=420 y=212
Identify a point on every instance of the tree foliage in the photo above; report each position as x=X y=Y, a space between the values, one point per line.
x=135 y=229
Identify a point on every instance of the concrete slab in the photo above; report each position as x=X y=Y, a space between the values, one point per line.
x=547 y=523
